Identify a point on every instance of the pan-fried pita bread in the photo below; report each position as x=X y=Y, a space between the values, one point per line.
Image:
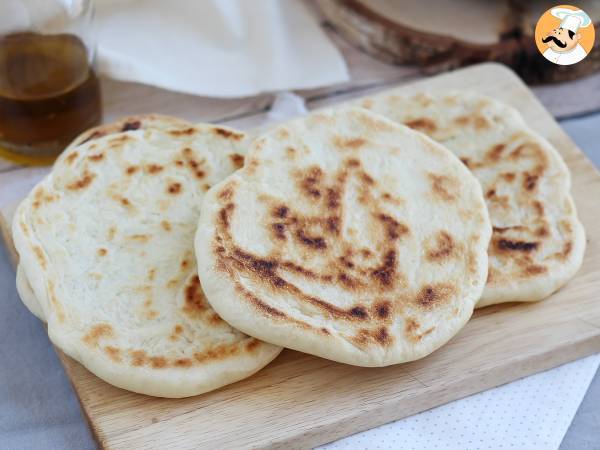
x=154 y=121
x=538 y=241
x=106 y=244
x=27 y=296
x=346 y=236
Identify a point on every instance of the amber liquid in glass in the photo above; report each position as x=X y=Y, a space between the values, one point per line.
x=48 y=95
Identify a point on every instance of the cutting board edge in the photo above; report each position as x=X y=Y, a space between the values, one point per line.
x=541 y=362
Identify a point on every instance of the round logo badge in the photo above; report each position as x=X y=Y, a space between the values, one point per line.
x=564 y=35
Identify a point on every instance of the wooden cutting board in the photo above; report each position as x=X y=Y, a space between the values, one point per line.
x=300 y=401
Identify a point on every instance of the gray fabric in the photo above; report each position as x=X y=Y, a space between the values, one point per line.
x=584 y=432
x=585 y=131
x=38 y=408
x=570 y=98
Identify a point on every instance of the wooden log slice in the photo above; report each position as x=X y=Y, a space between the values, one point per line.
x=440 y=35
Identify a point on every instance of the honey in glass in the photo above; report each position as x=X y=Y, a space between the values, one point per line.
x=49 y=94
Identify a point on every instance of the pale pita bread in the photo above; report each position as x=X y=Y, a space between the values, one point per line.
x=106 y=242
x=346 y=236
x=27 y=296
x=538 y=242
x=155 y=121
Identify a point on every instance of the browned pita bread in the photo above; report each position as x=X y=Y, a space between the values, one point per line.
x=538 y=241
x=346 y=236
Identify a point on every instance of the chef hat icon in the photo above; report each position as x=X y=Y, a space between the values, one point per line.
x=571 y=20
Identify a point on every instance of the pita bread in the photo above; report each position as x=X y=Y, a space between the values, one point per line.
x=27 y=296
x=106 y=244
x=346 y=236
x=538 y=241
x=155 y=121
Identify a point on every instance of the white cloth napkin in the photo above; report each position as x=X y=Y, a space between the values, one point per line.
x=215 y=48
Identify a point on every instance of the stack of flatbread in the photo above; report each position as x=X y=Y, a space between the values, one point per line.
x=107 y=257
x=171 y=259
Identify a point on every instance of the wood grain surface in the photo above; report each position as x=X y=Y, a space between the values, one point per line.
x=300 y=401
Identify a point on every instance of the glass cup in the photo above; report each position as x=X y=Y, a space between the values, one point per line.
x=49 y=92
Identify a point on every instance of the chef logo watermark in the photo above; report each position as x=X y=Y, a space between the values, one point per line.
x=564 y=35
